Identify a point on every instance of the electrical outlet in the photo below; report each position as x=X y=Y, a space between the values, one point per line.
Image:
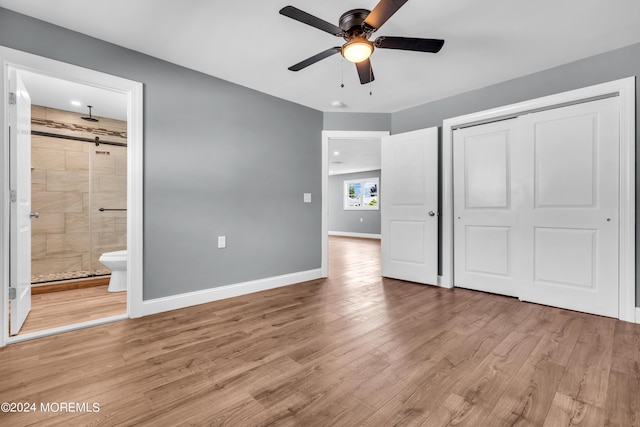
x=307 y=197
x=361 y=219
x=222 y=242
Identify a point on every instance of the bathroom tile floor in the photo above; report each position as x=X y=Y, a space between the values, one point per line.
x=54 y=309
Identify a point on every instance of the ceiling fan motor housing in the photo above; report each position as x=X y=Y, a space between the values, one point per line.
x=352 y=23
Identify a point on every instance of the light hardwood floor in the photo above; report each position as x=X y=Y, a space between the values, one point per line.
x=54 y=309
x=351 y=350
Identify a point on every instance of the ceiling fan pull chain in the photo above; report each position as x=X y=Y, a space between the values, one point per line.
x=342 y=72
x=370 y=80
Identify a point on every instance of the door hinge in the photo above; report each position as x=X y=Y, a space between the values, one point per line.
x=12 y=293
x=12 y=98
x=14 y=196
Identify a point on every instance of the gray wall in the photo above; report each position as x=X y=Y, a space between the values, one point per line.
x=373 y=122
x=220 y=159
x=602 y=68
x=613 y=65
x=349 y=221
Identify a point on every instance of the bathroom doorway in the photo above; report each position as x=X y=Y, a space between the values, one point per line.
x=129 y=223
x=78 y=173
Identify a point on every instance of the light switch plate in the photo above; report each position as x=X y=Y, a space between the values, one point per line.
x=222 y=242
x=307 y=197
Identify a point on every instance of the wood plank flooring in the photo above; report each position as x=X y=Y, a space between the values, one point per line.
x=53 y=309
x=352 y=350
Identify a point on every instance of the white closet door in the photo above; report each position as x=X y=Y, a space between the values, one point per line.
x=536 y=207
x=484 y=210
x=571 y=235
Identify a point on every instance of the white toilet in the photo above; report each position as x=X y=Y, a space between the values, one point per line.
x=117 y=263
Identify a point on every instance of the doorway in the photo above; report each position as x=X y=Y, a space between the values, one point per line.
x=78 y=198
x=20 y=62
x=341 y=137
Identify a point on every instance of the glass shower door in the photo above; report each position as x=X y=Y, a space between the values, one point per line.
x=108 y=201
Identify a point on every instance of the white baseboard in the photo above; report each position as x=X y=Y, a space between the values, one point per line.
x=360 y=235
x=638 y=315
x=189 y=299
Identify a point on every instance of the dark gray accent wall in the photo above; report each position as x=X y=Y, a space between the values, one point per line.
x=613 y=65
x=374 y=122
x=349 y=221
x=220 y=159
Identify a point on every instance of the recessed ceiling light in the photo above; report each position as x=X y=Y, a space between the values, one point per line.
x=76 y=103
x=336 y=153
x=338 y=104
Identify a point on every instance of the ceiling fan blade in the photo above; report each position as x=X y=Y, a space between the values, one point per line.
x=315 y=58
x=304 y=17
x=410 y=43
x=365 y=72
x=382 y=12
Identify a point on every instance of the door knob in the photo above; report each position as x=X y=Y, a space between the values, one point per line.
x=432 y=213
x=34 y=215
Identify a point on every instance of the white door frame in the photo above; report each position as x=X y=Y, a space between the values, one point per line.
x=625 y=91
x=133 y=91
x=326 y=135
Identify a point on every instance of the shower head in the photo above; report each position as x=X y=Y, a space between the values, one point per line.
x=89 y=119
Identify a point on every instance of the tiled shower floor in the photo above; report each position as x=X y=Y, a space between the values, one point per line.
x=55 y=277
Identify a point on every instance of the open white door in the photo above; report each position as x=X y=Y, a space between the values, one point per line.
x=20 y=216
x=409 y=206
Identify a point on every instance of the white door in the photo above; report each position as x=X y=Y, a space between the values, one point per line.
x=485 y=212
x=571 y=235
x=536 y=207
x=20 y=216
x=409 y=205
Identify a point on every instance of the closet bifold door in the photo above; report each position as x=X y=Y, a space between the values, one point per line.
x=570 y=233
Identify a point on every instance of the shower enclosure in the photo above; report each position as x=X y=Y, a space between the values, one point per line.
x=79 y=186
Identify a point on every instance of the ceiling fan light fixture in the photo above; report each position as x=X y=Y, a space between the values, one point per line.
x=357 y=49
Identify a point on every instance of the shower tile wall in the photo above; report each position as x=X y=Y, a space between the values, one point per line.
x=63 y=245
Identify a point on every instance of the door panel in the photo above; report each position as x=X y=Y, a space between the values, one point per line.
x=577 y=251
x=20 y=218
x=483 y=208
x=565 y=162
x=406 y=241
x=409 y=233
x=486 y=170
x=487 y=250
x=571 y=235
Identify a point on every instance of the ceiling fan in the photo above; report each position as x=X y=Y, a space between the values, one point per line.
x=356 y=27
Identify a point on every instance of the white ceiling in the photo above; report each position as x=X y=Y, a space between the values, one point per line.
x=353 y=155
x=249 y=43
x=56 y=93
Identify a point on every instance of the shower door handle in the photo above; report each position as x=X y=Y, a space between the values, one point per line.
x=34 y=215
